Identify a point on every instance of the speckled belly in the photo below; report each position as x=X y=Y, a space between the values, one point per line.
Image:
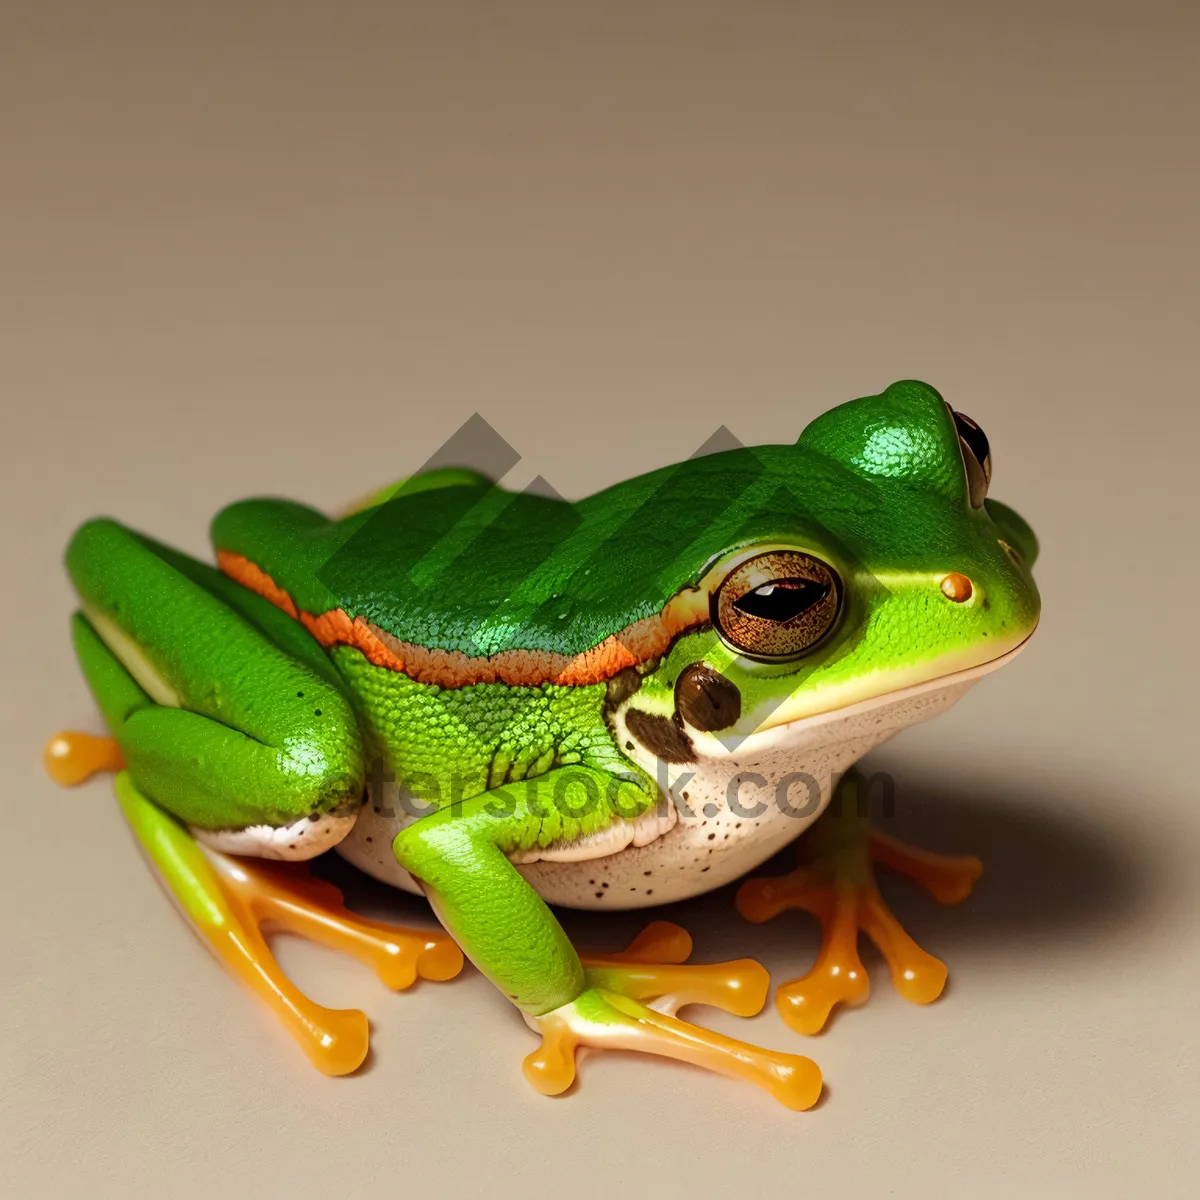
x=721 y=816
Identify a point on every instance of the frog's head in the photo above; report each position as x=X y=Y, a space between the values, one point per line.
x=873 y=562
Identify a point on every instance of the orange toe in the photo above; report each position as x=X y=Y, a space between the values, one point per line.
x=607 y=1021
x=947 y=878
x=71 y=757
x=285 y=896
x=653 y=969
x=838 y=888
x=837 y=977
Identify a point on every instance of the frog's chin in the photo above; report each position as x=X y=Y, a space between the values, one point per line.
x=895 y=687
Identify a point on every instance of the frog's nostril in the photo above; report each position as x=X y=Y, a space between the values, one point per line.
x=957 y=587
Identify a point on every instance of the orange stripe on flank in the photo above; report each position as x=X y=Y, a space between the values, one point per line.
x=251 y=575
x=643 y=640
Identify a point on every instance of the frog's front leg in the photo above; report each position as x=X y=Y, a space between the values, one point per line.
x=228 y=737
x=460 y=854
x=836 y=883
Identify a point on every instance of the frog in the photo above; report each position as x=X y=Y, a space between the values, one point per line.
x=508 y=702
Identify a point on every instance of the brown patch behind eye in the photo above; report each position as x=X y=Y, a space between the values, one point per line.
x=706 y=699
x=661 y=736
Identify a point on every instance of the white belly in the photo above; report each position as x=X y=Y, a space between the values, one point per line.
x=722 y=828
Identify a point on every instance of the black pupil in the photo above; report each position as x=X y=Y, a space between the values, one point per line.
x=782 y=599
x=975 y=438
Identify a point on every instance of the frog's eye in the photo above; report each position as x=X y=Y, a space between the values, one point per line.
x=777 y=605
x=977 y=457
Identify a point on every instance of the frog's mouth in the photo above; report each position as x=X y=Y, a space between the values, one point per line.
x=953 y=673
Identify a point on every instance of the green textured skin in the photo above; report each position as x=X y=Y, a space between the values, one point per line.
x=501 y=923
x=484 y=735
x=259 y=737
x=479 y=569
x=510 y=768
x=270 y=728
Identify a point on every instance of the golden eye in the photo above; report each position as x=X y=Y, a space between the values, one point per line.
x=777 y=605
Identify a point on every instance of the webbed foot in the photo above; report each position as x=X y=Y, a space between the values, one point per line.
x=630 y=1004
x=838 y=887
x=654 y=969
x=231 y=901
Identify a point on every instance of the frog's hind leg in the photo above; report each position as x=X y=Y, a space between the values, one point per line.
x=228 y=901
x=836 y=883
x=226 y=722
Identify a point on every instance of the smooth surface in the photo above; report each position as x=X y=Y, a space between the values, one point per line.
x=290 y=248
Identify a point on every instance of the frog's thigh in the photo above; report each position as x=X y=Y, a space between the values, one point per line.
x=205 y=771
x=215 y=721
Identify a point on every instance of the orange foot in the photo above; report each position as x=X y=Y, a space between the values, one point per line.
x=231 y=901
x=255 y=896
x=838 y=887
x=630 y=1004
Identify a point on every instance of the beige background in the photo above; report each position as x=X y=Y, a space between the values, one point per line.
x=290 y=247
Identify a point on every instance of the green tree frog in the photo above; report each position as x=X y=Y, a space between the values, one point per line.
x=506 y=701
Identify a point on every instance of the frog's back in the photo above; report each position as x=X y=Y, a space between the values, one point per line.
x=466 y=582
